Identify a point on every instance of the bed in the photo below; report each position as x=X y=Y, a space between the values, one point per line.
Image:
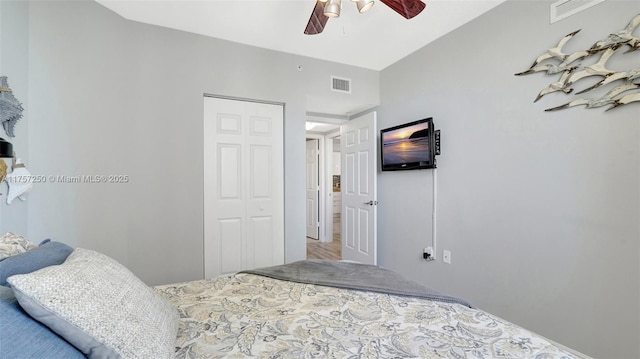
x=309 y=309
x=285 y=315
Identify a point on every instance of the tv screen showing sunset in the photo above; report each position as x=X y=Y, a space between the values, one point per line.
x=406 y=145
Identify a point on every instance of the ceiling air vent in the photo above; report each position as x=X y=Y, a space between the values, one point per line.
x=565 y=8
x=340 y=84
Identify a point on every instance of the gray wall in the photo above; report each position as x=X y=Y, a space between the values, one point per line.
x=14 y=26
x=540 y=210
x=111 y=96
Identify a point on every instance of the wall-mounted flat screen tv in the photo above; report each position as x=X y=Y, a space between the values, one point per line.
x=409 y=146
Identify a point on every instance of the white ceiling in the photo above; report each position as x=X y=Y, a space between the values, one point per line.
x=373 y=40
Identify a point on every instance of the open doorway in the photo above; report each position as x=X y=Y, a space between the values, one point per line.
x=336 y=190
x=325 y=137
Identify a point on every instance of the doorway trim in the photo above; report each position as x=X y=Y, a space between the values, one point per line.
x=325 y=232
x=328 y=213
x=322 y=234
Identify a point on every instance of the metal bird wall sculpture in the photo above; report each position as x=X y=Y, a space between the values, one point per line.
x=550 y=69
x=626 y=99
x=578 y=55
x=607 y=99
x=597 y=69
x=628 y=76
x=560 y=85
x=623 y=37
x=555 y=52
x=10 y=108
x=554 y=61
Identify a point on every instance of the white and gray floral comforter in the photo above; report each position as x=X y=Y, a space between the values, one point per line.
x=247 y=315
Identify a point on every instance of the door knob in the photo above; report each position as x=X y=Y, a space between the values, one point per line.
x=371 y=203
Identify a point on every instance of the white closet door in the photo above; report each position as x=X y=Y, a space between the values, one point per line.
x=243 y=185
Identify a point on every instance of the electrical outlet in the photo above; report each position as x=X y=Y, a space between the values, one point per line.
x=428 y=254
x=446 y=256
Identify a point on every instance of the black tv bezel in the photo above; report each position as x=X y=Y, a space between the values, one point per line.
x=410 y=165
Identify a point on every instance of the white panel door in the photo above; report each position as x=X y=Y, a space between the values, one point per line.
x=243 y=185
x=358 y=181
x=312 y=188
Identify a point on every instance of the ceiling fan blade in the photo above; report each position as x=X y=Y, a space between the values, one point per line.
x=406 y=8
x=317 y=20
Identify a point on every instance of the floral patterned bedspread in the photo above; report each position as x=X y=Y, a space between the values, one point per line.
x=246 y=315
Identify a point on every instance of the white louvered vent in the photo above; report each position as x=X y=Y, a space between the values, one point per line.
x=340 y=84
x=565 y=8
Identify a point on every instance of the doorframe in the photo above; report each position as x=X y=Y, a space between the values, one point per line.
x=328 y=214
x=325 y=232
x=321 y=183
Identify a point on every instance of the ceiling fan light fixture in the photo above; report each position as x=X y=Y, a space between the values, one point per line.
x=364 y=5
x=332 y=8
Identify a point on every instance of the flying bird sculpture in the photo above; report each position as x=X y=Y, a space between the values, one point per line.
x=623 y=37
x=10 y=108
x=628 y=76
x=560 y=85
x=607 y=99
x=563 y=66
x=597 y=69
x=555 y=52
x=571 y=69
x=549 y=69
x=578 y=55
x=626 y=99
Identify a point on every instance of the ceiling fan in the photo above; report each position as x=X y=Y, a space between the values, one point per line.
x=325 y=9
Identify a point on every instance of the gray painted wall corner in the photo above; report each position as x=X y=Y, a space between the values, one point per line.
x=540 y=210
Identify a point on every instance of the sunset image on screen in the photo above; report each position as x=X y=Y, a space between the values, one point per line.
x=406 y=145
